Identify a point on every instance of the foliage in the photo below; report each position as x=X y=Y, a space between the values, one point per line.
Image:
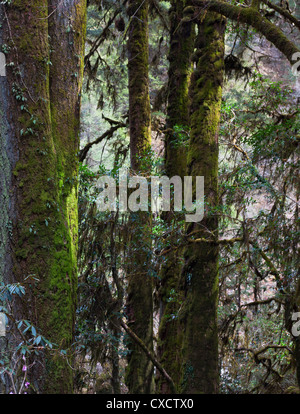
x=257 y=207
x=259 y=192
x=21 y=345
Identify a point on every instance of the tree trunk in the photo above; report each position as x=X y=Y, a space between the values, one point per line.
x=138 y=79
x=180 y=68
x=200 y=273
x=40 y=106
x=139 y=308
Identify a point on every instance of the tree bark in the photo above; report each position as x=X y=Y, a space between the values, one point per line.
x=138 y=78
x=40 y=126
x=180 y=69
x=139 y=307
x=200 y=273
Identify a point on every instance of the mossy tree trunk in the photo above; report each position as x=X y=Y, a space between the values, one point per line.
x=200 y=273
x=40 y=110
x=139 y=375
x=138 y=80
x=180 y=68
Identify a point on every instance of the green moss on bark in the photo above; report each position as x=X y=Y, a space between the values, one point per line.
x=138 y=81
x=180 y=69
x=139 y=374
x=46 y=129
x=252 y=17
x=200 y=273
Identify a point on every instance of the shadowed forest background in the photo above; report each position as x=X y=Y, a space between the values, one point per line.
x=140 y=302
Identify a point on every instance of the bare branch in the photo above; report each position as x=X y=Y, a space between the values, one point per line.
x=252 y=17
x=108 y=134
x=283 y=13
x=149 y=355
